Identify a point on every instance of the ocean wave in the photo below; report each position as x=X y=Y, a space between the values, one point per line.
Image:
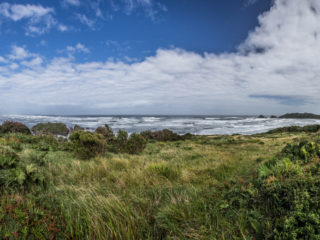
x=201 y=125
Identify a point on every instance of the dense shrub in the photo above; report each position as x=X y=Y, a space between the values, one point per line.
x=294 y=129
x=284 y=201
x=300 y=115
x=119 y=144
x=50 y=129
x=305 y=151
x=17 y=172
x=136 y=144
x=76 y=128
x=87 y=145
x=107 y=132
x=14 y=127
x=164 y=135
x=8 y=158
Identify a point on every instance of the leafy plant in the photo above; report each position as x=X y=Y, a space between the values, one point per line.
x=14 y=127
x=50 y=129
x=87 y=145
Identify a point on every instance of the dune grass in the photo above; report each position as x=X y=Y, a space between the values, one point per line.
x=172 y=190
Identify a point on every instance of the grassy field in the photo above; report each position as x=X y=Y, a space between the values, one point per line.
x=199 y=188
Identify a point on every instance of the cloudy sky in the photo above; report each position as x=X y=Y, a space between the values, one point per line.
x=159 y=56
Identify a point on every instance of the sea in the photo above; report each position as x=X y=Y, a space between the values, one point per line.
x=199 y=125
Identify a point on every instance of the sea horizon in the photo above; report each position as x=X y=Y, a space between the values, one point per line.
x=181 y=124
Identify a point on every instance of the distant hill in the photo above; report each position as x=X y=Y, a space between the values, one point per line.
x=300 y=115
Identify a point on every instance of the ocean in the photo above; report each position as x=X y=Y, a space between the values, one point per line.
x=200 y=125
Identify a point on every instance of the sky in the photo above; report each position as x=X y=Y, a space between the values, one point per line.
x=199 y=57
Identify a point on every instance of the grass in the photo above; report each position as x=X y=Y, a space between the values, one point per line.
x=172 y=190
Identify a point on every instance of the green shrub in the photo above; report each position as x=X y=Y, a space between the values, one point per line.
x=305 y=151
x=136 y=144
x=77 y=128
x=295 y=129
x=119 y=144
x=164 y=135
x=87 y=145
x=107 y=132
x=14 y=127
x=284 y=201
x=8 y=158
x=18 y=172
x=50 y=129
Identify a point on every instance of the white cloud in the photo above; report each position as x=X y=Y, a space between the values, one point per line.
x=86 y=21
x=18 y=53
x=62 y=28
x=17 y=12
x=71 y=2
x=37 y=61
x=39 y=19
x=275 y=70
x=78 y=48
x=2 y=60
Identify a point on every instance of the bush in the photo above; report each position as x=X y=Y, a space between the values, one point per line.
x=15 y=172
x=50 y=129
x=119 y=145
x=8 y=158
x=284 y=201
x=164 y=135
x=87 y=145
x=76 y=128
x=305 y=151
x=14 y=127
x=294 y=129
x=136 y=144
x=107 y=132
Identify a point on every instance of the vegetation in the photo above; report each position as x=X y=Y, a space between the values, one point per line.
x=264 y=186
x=300 y=115
x=14 y=127
x=50 y=129
x=296 y=129
x=164 y=135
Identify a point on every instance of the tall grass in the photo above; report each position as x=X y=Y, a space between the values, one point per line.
x=173 y=190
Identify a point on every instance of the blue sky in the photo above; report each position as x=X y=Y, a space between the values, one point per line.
x=133 y=28
x=158 y=57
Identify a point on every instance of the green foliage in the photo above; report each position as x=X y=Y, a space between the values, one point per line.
x=8 y=158
x=19 y=172
x=135 y=144
x=87 y=145
x=300 y=115
x=50 y=129
x=296 y=129
x=21 y=218
x=305 y=151
x=107 y=132
x=164 y=135
x=284 y=201
x=164 y=170
x=119 y=144
x=14 y=127
x=77 y=128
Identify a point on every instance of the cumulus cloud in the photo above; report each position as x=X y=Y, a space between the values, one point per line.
x=275 y=70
